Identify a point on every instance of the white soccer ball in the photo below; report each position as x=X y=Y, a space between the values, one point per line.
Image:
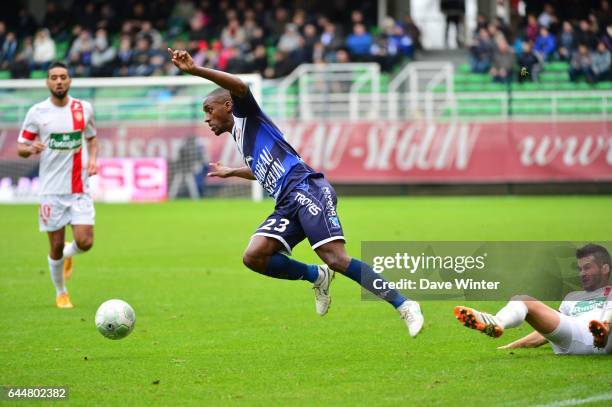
x=115 y=319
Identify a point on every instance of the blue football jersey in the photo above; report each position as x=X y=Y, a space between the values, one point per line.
x=275 y=164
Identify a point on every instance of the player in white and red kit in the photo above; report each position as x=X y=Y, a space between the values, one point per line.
x=61 y=129
x=581 y=326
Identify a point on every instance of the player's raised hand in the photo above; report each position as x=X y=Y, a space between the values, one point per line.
x=219 y=170
x=37 y=147
x=181 y=59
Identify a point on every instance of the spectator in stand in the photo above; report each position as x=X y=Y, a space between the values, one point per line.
x=87 y=16
x=199 y=26
x=147 y=30
x=2 y=32
x=124 y=56
x=257 y=60
x=299 y=19
x=80 y=60
x=545 y=44
x=103 y=55
x=503 y=62
x=594 y=29
x=604 y=15
x=481 y=22
x=290 y=41
x=181 y=14
x=545 y=18
x=26 y=25
x=141 y=59
x=566 y=41
x=600 y=64
x=401 y=42
x=54 y=20
x=584 y=35
x=277 y=27
x=282 y=66
x=529 y=60
x=8 y=50
x=202 y=55
x=481 y=53
x=310 y=39
x=413 y=31
x=20 y=68
x=258 y=38
x=504 y=29
x=331 y=40
x=359 y=43
x=580 y=64
x=233 y=35
x=44 y=50
x=251 y=28
x=453 y=10
x=495 y=33
x=532 y=29
x=607 y=37
x=384 y=54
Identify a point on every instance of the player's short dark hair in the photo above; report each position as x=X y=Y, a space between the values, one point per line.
x=599 y=253
x=219 y=93
x=56 y=64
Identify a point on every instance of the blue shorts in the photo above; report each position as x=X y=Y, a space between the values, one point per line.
x=308 y=211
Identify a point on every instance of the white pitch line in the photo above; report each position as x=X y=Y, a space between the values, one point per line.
x=576 y=402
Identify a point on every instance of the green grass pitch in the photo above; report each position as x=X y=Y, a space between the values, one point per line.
x=210 y=332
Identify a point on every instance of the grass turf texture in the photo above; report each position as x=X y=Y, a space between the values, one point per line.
x=210 y=332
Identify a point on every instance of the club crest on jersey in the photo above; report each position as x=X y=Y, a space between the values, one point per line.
x=78 y=116
x=335 y=222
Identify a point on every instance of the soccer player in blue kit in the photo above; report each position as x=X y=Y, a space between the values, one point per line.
x=305 y=201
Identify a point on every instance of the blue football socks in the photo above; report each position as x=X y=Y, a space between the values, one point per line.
x=281 y=266
x=364 y=275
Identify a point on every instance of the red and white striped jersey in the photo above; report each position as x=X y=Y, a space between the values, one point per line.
x=61 y=130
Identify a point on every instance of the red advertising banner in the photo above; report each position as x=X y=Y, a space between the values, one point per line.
x=395 y=152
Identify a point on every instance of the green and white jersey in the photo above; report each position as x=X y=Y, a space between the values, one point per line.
x=61 y=130
x=586 y=305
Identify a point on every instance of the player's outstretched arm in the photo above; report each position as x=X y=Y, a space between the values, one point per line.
x=184 y=62
x=221 y=171
x=533 y=340
x=25 y=150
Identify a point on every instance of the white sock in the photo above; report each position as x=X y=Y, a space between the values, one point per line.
x=512 y=315
x=72 y=249
x=57 y=274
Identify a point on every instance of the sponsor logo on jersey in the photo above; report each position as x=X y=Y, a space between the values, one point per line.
x=310 y=205
x=268 y=170
x=588 y=305
x=65 y=141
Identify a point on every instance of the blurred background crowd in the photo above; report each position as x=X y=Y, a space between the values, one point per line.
x=130 y=37
x=584 y=41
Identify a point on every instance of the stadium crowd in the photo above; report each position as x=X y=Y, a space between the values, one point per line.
x=130 y=37
x=585 y=44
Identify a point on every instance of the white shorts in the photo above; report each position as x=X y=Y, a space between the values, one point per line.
x=57 y=211
x=572 y=337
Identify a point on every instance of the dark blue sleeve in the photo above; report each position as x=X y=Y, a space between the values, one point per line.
x=245 y=106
